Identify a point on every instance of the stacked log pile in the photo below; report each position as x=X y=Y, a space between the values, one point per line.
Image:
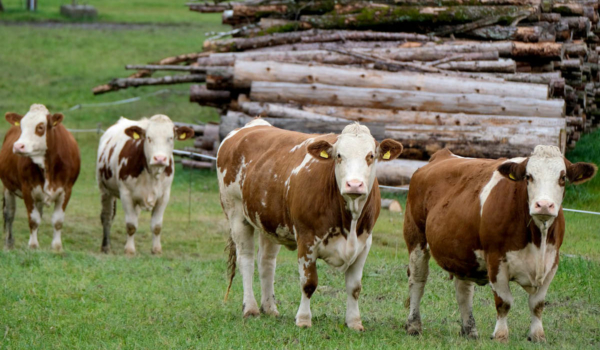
x=206 y=142
x=485 y=78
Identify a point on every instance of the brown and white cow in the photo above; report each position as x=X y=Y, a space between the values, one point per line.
x=490 y=221
x=316 y=193
x=39 y=162
x=135 y=164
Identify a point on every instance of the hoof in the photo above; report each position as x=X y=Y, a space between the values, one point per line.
x=414 y=329
x=500 y=337
x=303 y=322
x=157 y=251
x=35 y=245
x=271 y=311
x=57 y=247
x=129 y=252
x=105 y=249
x=537 y=338
x=357 y=326
x=469 y=334
x=251 y=311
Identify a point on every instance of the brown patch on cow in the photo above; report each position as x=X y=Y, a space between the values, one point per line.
x=370 y=158
x=309 y=288
x=562 y=180
x=356 y=291
x=40 y=129
x=110 y=152
x=169 y=168
x=579 y=173
x=502 y=307
x=130 y=229
x=58 y=226
x=133 y=152
x=33 y=225
x=157 y=230
x=105 y=171
x=514 y=171
x=538 y=309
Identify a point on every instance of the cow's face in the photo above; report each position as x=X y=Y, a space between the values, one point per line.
x=355 y=154
x=546 y=172
x=34 y=127
x=159 y=137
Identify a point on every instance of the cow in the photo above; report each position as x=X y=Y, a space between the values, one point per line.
x=135 y=164
x=314 y=193
x=489 y=221
x=39 y=162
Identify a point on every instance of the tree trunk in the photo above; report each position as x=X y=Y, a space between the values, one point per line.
x=246 y=72
x=123 y=83
x=501 y=66
x=534 y=78
x=270 y=110
x=204 y=97
x=531 y=34
x=397 y=172
x=404 y=100
x=537 y=50
x=155 y=67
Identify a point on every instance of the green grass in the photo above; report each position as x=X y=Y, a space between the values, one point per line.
x=130 y=11
x=85 y=300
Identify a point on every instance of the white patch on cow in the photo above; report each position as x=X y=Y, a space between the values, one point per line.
x=480 y=257
x=335 y=251
x=302 y=144
x=496 y=177
x=252 y=123
x=460 y=157
x=307 y=160
x=34 y=145
x=502 y=288
x=521 y=265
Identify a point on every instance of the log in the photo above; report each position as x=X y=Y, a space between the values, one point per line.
x=246 y=72
x=534 y=78
x=467 y=2
x=500 y=66
x=123 y=83
x=351 y=35
x=397 y=172
x=575 y=49
x=331 y=45
x=219 y=78
x=198 y=129
x=399 y=16
x=194 y=164
x=398 y=117
x=391 y=204
x=155 y=67
x=537 y=50
x=233 y=120
x=531 y=34
x=406 y=100
x=271 y=110
x=474 y=141
x=209 y=8
x=214 y=98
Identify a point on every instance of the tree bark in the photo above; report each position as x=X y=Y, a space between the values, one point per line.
x=405 y=100
x=155 y=67
x=214 y=98
x=123 y=83
x=537 y=50
x=271 y=110
x=397 y=172
x=531 y=34
x=246 y=72
x=534 y=78
x=500 y=66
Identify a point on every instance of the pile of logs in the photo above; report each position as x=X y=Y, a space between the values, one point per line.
x=206 y=142
x=485 y=78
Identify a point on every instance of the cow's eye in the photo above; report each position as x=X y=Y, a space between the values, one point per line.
x=372 y=156
x=528 y=177
x=563 y=178
x=339 y=156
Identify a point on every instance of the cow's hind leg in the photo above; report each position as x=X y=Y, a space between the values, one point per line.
x=156 y=223
x=267 y=258
x=464 y=297
x=354 y=287
x=34 y=213
x=58 y=218
x=418 y=271
x=243 y=237
x=107 y=215
x=9 y=205
x=131 y=222
x=503 y=298
x=536 y=307
x=307 y=266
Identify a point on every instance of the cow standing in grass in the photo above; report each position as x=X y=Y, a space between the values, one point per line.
x=135 y=164
x=39 y=162
x=316 y=193
x=490 y=221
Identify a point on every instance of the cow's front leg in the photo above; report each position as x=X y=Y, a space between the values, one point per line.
x=536 y=307
x=156 y=223
x=503 y=298
x=9 y=206
x=34 y=214
x=267 y=258
x=354 y=286
x=131 y=222
x=464 y=297
x=107 y=215
x=58 y=218
x=307 y=266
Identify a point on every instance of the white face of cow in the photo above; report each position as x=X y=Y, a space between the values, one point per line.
x=34 y=128
x=355 y=154
x=546 y=173
x=159 y=137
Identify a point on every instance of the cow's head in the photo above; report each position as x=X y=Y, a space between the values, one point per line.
x=34 y=127
x=355 y=154
x=546 y=172
x=158 y=138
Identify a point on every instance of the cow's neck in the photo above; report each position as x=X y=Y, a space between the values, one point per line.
x=51 y=162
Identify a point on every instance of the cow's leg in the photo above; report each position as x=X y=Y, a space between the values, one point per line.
x=354 y=286
x=131 y=222
x=243 y=237
x=307 y=266
x=267 y=258
x=464 y=297
x=9 y=205
x=418 y=270
x=58 y=218
x=156 y=223
x=503 y=298
x=536 y=307
x=107 y=215
x=34 y=214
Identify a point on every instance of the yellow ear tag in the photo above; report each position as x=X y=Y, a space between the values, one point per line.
x=17 y=123
x=324 y=155
x=512 y=177
x=387 y=155
x=580 y=177
x=136 y=136
x=182 y=136
x=54 y=124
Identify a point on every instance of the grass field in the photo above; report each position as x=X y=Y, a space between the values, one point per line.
x=86 y=300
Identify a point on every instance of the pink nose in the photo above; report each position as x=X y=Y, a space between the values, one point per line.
x=160 y=159
x=544 y=207
x=355 y=187
x=18 y=148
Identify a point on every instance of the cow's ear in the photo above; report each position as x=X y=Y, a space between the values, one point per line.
x=183 y=133
x=579 y=173
x=13 y=118
x=55 y=119
x=321 y=150
x=389 y=149
x=135 y=132
x=513 y=171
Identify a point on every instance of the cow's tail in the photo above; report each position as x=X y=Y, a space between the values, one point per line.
x=231 y=263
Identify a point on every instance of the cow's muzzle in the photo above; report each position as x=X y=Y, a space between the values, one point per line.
x=159 y=161
x=19 y=148
x=544 y=210
x=354 y=189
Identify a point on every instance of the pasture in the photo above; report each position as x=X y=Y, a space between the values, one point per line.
x=84 y=299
